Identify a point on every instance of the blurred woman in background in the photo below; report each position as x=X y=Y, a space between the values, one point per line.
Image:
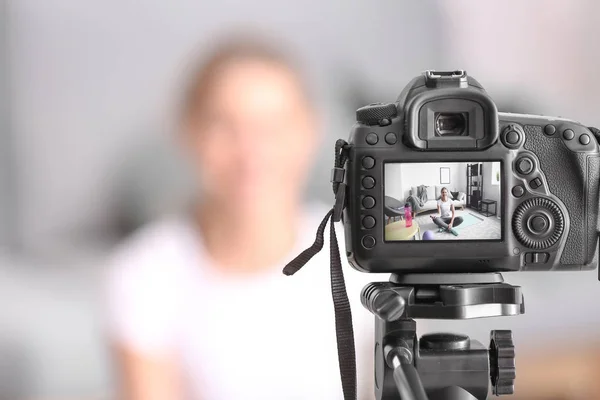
x=198 y=304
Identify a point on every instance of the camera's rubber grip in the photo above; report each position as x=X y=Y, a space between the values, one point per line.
x=573 y=178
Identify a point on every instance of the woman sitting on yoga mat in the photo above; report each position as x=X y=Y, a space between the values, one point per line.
x=447 y=219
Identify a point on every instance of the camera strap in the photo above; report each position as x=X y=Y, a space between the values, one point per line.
x=343 y=315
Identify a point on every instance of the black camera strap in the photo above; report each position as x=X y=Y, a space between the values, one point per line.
x=341 y=305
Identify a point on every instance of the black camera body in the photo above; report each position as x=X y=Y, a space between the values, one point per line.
x=540 y=173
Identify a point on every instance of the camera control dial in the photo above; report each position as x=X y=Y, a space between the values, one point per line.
x=538 y=223
x=375 y=113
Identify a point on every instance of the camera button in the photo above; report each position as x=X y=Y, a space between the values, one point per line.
x=584 y=139
x=518 y=191
x=513 y=137
x=368 y=162
x=368 y=202
x=538 y=224
x=524 y=165
x=391 y=138
x=535 y=183
x=372 y=138
x=568 y=134
x=368 y=222
x=368 y=242
x=536 y=258
x=368 y=182
x=549 y=130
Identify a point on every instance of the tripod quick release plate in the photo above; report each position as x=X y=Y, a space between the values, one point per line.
x=434 y=300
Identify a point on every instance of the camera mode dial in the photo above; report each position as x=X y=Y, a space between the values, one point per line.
x=375 y=113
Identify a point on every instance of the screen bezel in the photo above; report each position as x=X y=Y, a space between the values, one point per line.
x=501 y=210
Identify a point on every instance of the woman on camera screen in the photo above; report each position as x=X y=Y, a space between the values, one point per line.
x=447 y=218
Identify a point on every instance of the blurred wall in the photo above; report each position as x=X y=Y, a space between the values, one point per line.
x=539 y=56
x=5 y=138
x=52 y=343
x=94 y=84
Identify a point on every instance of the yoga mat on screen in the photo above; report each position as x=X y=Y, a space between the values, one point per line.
x=469 y=220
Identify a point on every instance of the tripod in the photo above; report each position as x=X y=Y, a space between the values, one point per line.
x=443 y=365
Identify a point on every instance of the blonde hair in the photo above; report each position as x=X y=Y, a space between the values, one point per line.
x=234 y=49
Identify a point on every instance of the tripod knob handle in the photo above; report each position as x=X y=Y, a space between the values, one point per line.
x=502 y=362
x=383 y=301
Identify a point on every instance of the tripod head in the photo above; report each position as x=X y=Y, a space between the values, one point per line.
x=442 y=365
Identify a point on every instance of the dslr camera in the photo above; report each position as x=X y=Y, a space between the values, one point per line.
x=523 y=189
x=445 y=193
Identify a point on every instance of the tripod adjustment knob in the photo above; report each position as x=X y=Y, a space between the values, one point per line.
x=502 y=362
x=383 y=301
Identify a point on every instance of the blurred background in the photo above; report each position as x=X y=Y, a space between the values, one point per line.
x=87 y=91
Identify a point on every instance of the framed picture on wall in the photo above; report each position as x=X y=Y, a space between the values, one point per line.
x=444 y=175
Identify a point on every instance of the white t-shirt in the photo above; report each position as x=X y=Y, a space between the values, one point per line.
x=445 y=207
x=269 y=336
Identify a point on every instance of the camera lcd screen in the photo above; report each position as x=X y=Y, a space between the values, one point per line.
x=447 y=201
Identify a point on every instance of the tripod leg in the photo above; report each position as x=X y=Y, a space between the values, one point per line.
x=408 y=381
x=452 y=393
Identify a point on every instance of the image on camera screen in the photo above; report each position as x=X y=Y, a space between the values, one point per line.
x=443 y=201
